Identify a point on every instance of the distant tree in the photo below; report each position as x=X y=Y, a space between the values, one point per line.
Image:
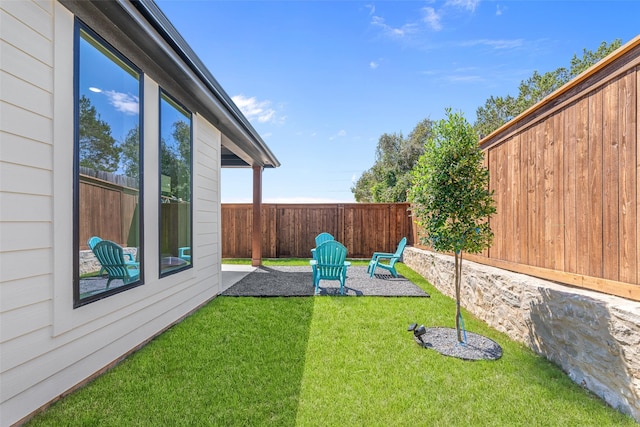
x=131 y=153
x=98 y=149
x=389 y=179
x=450 y=195
x=175 y=160
x=499 y=110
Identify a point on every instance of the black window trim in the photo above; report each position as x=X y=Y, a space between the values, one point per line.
x=77 y=301
x=162 y=92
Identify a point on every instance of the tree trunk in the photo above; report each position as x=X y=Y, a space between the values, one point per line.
x=458 y=277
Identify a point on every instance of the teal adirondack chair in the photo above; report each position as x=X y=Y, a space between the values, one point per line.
x=390 y=258
x=111 y=256
x=330 y=264
x=185 y=253
x=320 y=239
x=93 y=241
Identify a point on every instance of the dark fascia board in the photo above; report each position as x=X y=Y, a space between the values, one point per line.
x=157 y=41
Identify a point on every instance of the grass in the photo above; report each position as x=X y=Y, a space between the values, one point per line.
x=326 y=361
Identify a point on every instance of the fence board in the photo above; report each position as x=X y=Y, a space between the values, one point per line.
x=610 y=193
x=628 y=214
x=570 y=220
x=582 y=213
x=289 y=230
x=595 y=229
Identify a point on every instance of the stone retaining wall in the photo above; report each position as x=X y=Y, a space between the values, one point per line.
x=594 y=338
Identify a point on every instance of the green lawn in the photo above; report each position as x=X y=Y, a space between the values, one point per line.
x=326 y=361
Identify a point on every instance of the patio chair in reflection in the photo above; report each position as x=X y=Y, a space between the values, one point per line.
x=185 y=253
x=93 y=241
x=391 y=259
x=321 y=238
x=112 y=258
x=330 y=264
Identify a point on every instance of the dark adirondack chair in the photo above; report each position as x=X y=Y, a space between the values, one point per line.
x=330 y=264
x=390 y=259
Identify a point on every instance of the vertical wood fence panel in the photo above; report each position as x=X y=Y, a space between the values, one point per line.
x=565 y=180
x=99 y=202
x=289 y=230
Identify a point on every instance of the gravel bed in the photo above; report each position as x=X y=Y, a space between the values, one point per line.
x=445 y=341
x=297 y=281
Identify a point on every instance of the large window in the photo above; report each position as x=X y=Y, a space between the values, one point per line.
x=108 y=170
x=175 y=186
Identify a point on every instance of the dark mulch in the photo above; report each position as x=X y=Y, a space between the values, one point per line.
x=297 y=281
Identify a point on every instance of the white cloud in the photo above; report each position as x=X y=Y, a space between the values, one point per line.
x=373 y=65
x=496 y=44
x=499 y=10
x=123 y=102
x=372 y=9
x=255 y=110
x=392 y=32
x=463 y=4
x=340 y=134
x=432 y=18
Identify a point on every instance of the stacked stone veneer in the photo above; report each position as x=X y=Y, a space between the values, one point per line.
x=594 y=338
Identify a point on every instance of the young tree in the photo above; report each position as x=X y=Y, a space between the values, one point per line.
x=450 y=194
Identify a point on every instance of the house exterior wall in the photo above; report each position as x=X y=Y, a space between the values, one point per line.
x=47 y=346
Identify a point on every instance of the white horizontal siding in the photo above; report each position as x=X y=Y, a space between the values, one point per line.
x=22 y=293
x=25 y=67
x=24 y=264
x=24 y=179
x=16 y=91
x=26 y=152
x=23 y=320
x=32 y=208
x=16 y=32
x=47 y=346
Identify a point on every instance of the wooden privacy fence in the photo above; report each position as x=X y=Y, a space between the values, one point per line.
x=107 y=210
x=566 y=181
x=289 y=230
x=110 y=211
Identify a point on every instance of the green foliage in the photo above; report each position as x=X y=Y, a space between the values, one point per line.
x=389 y=179
x=450 y=193
x=98 y=149
x=499 y=110
x=175 y=160
x=131 y=153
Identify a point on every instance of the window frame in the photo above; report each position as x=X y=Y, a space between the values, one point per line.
x=165 y=95
x=80 y=27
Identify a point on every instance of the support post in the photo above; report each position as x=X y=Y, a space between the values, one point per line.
x=256 y=241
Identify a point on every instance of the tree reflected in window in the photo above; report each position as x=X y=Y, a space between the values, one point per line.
x=175 y=187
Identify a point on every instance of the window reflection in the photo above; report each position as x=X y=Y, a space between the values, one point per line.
x=108 y=157
x=175 y=186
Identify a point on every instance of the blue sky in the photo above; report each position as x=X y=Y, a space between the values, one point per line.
x=321 y=81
